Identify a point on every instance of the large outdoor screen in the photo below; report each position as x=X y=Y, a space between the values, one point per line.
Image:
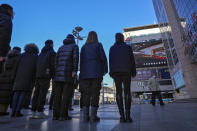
x=149 y=54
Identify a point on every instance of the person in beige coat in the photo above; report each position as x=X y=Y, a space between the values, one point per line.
x=154 y=87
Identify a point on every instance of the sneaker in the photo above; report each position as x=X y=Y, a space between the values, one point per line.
x=40 y=115
x=33 y=115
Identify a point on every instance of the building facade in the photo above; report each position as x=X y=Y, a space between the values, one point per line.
x=150 y=56
x=177 y=22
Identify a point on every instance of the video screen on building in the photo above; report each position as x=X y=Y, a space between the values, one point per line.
x=149 y=54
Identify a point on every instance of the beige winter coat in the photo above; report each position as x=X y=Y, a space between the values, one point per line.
x=153 y=84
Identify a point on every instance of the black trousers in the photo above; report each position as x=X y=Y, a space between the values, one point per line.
x=82 y=99
x=61 y=99
x=40 y=93
x=125 y=80
x=158 y=94
x=90 y=92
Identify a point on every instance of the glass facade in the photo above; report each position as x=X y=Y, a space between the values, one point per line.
x=187 y=12
x=166 y=33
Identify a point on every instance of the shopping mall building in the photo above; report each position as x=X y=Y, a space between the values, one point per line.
x=150 y=56
x=177 y=21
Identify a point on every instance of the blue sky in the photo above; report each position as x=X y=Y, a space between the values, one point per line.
x=38 y=20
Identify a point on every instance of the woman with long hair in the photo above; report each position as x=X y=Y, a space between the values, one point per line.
x=93 y=66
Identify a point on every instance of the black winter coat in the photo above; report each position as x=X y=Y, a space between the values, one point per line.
x=121 y=59
x=46 y=63
x=26 y=72
x=5 y=31
x=93 y=61
x=67 y=59
x=7 y=77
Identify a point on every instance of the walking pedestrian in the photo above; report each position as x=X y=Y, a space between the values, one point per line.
x=7 y=79
x=154 y=87
x=25 y=78
x=122 y=68
x=45 y=71
x=93 y=66
x=66 y=69
x=6 y=16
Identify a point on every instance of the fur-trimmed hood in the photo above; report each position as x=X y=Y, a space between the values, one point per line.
x=31 y=48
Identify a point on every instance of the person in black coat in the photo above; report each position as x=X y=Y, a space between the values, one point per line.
x=6 y=16
x=45 y=71
x=25 y=77
x=122 y=67
x=7 y=79
x=66 y=67
x=93 y=66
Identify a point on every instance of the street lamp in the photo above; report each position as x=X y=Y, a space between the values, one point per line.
x=75 y=33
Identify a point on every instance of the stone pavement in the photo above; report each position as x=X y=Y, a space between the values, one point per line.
x=171 y=117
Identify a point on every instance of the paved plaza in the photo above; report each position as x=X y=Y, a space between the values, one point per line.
x=179 y=116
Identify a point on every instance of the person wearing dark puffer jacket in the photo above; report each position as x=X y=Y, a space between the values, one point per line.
x=122 y=68
x=66 y=67
x=25 y=78
x=7 y=79
x=45 y=71
x=6 y=16
x=93 y=66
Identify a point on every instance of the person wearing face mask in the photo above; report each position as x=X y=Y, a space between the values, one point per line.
x=154 y=87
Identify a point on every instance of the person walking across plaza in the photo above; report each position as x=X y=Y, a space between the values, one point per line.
x=93 y=66
x=6 y=16
x=25 y=78
x=154 y=87
x=45 y=71
x=66 y=67
x=122 y=68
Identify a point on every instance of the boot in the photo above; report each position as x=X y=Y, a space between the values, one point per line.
x=98 y=118
x=128 y=107
x=128 y=116
x=121 y=108
x=86 y=114
x=93 y=117
x=19 y=114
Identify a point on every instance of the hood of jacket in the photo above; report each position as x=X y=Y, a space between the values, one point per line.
x=47 y=49
x=68 y=41
x=31 y=48
x=4 y=11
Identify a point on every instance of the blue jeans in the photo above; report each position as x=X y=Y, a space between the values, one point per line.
x=17 y=101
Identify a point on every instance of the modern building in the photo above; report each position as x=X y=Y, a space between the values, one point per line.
x=150 y=56
x=177 y=21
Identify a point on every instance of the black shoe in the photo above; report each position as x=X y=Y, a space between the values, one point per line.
x=129 y=119
x=19 y=114
x=13 y=114
x=62 y=119
x=70 y=109
x=50 y=108
x=68 y=118
x=162 y=104
x=55 y=118
x=122 y=119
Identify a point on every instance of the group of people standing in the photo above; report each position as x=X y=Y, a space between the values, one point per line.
x=23 y=73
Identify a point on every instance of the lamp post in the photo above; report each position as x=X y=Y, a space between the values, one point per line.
x=75 y=33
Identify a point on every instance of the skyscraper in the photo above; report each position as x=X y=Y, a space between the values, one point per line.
x=178 y=24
